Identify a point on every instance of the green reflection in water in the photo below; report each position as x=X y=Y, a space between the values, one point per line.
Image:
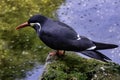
x=20 y=50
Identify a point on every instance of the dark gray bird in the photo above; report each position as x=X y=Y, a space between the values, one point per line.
x=61 y=37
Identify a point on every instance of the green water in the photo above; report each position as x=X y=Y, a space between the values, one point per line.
x=21 y=50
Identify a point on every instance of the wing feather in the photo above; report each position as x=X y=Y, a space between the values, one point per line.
x=60 y=36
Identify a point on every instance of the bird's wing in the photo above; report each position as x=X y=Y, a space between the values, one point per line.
x=66 y=37
x=60 y=30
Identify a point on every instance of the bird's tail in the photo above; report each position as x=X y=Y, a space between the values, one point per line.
x=101 y=46
x=97 y=55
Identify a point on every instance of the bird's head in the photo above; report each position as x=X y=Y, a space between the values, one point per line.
x=34 y=21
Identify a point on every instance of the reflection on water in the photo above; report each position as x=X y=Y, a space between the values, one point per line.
x=97 y=19
x=35 y=73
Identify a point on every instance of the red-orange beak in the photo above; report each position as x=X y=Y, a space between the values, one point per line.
x=22 y=25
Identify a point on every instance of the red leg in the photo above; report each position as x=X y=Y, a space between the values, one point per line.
x=53 y=53
x=60 y=52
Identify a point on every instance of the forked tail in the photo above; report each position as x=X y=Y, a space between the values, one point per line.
x=96 y=55
x=101 y=46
